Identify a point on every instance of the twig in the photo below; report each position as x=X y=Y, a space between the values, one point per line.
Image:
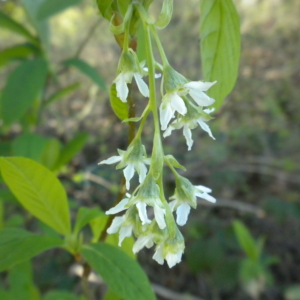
x=97 y=179
x=244 y=207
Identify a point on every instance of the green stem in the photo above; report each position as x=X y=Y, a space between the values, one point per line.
x=160 y=47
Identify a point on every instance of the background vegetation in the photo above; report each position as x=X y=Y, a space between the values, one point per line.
x=253 y=166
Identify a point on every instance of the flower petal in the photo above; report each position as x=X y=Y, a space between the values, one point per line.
x=142 y=170
x=141 y=242
x=173 y=204
x=201 y=98
x=110 y=160
x=160 y=216
x=177 y=103
x=182 y=213
x=199 y=85
x=188 y=136
x=206 y=196
x=119 y=207
x=205 y=127
x=143 y=87
x=158 y=255
x=166 y=113
x=128 y=173
x=203 y=189
x=125 y=231
x=173 y=259
x=121 y=87
x=116 y=223
x=141 y=206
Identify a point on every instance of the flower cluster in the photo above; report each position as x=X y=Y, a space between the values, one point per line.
x=148 y=215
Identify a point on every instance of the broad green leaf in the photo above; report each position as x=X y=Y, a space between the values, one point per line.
x=5 y=148
x=165 y=15
x=60 y=295
x=1 y=213
x=84 y=216
x=52 y=7
x=86 y=69
x=97 y=226
x=220 y=46
x=123 y=6
x=110 y=295
x=38 y=190
x=23 y=86
x=127 y=244
x=120 y=108
x=105 y=8
x=62 y=93
x=246 y=240
x=121 y=273
x=21 y=283
x=29 y=145
x=18 y=52
x=42 y=26
x=10 y=24
x=71 y=149
x=18 y=245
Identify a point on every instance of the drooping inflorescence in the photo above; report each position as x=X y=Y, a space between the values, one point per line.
x=184 y=104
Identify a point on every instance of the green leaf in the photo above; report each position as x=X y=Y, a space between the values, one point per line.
x=62 y=93
x=71 y=149
x=18 y=52
x=246 y=241
x=86 y=69
x=23 y=86
x=52 y=7
x=42 y=26
x=18 y=245
x=10 y=24
x=51 y=154
x=21 y=283
x=165 y=15
x=84 y=216
x=38 y=190
x=120 y=108
x=141 y=44
x=220 y=46
x=123 y=6
x=110 y=295
x=60 y=295
x=121 y=273
x=29 y=145
x=105 y=8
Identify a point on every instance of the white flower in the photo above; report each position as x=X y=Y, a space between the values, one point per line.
x=172 y=101
x=188 y=124
x=132 y=159
x=185 y=198
x=119 y=223
x=124 y=78
x=171 y=250
x=143 y=241
x=196 y=89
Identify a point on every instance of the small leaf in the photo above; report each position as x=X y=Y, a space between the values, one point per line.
x=86 y=69
x=105 y=8
x=120 y=108
x=110 y=295
x=123 y=6
x=165 y=15
x=84 y=216
x=220 y=46
x=51 y=154
x=52 y=7
x=121 y=273
x=246 y=240
x=62 y=93
x=38 y=190
x=18 y=245
x=71 y=149
x=23 y=87
x=18 y=52
x=10 y=24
